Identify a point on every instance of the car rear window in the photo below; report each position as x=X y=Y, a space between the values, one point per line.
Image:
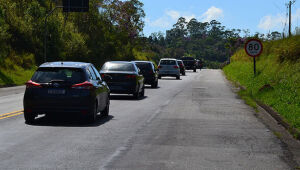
x=180 y=62
x=118 y=67
x=71 y=75
x=167 y=62
x=144 y=66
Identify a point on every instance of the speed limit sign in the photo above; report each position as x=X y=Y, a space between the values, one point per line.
x=253 y=47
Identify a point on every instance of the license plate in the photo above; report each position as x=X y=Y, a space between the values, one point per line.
x=56 y=91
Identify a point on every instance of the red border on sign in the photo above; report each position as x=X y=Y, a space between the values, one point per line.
x=257 y=40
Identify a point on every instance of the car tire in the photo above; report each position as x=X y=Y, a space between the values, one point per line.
x=136 y=94
x=177 y=77
x=195 y=70
x=159 y=77
x=155 y=84
x=105 y=112
x=93 y=114
x=142 y=92
x=29 y=117
x=183 y=73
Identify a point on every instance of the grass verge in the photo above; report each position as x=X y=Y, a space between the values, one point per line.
x=17 y=76
x=277 y=82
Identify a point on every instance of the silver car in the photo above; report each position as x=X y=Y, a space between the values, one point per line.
x=168 y=67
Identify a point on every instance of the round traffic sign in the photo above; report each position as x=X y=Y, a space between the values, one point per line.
x=253 y=47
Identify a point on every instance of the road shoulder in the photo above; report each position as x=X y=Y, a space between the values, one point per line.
x=291 y=144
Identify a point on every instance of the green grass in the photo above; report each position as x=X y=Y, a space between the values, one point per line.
x=277 y=83
x=247 y=97
x=18 y=76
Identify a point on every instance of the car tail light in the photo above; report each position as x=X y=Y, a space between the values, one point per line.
x=31 y=84
x=176 y=67
x=85 y=85
x=159 y=67
x=102 y=76
x=130 y=76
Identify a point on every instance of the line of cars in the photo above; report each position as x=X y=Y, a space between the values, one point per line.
x=76 y=87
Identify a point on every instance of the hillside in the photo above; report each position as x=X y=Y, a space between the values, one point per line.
x=277 y=83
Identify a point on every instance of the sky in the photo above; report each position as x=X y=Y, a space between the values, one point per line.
x=261 y=16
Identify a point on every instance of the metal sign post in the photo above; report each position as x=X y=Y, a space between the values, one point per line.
x=254 y=48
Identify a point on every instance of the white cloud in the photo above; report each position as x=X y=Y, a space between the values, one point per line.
x=171 y=16
x=213 y=13
x=163 y=22
x=270 y=22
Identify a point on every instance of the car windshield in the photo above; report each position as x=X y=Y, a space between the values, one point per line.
x=167 y=62
x=118 y=67
x=46 y=75
x=144 y=66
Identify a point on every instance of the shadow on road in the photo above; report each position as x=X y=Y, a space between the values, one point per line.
x=149 y=87
x=70 y=121
x=125 y=97
x=169 y=78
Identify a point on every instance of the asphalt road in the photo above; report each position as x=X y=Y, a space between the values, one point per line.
x=193 y=123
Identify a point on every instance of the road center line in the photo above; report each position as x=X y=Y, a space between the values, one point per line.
x=11 y=113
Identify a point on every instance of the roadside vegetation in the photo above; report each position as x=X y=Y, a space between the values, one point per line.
x=111 y=30
x=277 y=83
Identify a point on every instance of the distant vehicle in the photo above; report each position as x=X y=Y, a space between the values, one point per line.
x=168 y=67
x=123 y=77
x=182 y=67
x=199 y=64
x=66 y=87
x=149 y=72
x=190 y=63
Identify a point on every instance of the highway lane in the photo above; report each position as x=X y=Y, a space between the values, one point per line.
x=193 y=123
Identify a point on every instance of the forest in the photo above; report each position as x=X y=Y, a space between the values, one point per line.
x=111 y=30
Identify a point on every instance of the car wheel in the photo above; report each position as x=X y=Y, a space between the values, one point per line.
x=155 y=84
x=105 y=112
x=142 y=92
x=195 y=70
x=29 y=117
x=159 y=77
x=183 y=73
x=136 y=94
x=93 y=114
x=177 y=77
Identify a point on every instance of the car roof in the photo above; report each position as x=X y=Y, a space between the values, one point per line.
x=168 y=59
x=179 y=60
x=129 y=62
x=69 y=64
x=142 y=61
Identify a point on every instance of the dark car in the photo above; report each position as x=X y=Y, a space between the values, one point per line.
x=66 y=87
x=149 y=72
x=123 y=77
x=190 y=63
x=181 y=66
x=199 y=64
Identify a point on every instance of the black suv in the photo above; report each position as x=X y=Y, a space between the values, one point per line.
x=149 y=72
x=190 y=63
x=66 y=87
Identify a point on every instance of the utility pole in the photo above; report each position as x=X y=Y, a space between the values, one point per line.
x=290 y=16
